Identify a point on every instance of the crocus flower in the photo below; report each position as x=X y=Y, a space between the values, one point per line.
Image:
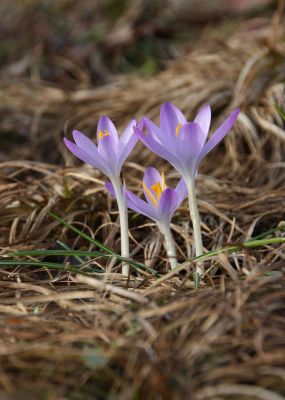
x=160 y=205
x=111 y=151
x=108 y=157
x=184 y=144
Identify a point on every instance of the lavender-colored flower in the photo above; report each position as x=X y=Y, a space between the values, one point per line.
x=161 y=201
x=160 y=205
x=109 y=157
x=183 y=143
x=111 y=152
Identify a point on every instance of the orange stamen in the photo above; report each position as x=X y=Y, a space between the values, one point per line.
x=150 y=195
x=179 y=126
x=158 y=188
x=101 y=134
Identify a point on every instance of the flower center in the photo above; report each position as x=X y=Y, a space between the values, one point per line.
x=158 y=188
x=179 y=126
x=102 y=134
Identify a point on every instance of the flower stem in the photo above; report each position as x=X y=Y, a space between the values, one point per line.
x=196 y=222
x=123 y=215
x=169 y=244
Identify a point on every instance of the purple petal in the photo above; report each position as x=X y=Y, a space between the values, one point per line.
x=181 y=190
x=84 y=142
x=108 y=150
x=127 y=143
x=220 y=133
x=128 y=133
x=167 y=204
x=151 y=177
x=171 y=120
x=189 y=145
x=93 y=160
x=203 y=119
x=109 y=186
x=142 y=207
x=106 y=127
x=159 y=149
x=152 y=128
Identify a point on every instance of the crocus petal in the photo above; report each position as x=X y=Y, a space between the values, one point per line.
x=142 y=207
x=109 y=186
x=151 y=177
x=108 y=150
x=159 y=149
x=220 y=133
x=83 y=142
x=171 y=120
x=86 y=144
x=167 y=204
x=152 y=128
x=106 y=128
x=127 y=142
x=181 y=190
x=128 y=133
x=203 y=119
x=189 y=145
x=96 y=162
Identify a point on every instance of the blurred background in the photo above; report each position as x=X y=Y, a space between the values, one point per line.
x=69 y=43
x=55 y=54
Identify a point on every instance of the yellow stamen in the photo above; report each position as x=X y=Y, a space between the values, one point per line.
x=150 y=195
x=158 y=188
x=179 y=126
x=101 y=134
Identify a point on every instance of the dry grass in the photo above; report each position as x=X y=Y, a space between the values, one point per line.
x=74 y=337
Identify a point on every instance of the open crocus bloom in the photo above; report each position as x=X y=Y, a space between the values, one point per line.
x=111 y=152
x=183 y=143
x=109 y=157
x=161 y=201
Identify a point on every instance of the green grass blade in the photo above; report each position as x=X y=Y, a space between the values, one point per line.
x=50 y=265
x=60 y=267
x=66 y=253
x=78 y=253
x=263 y=235
x=65 y=247
x=134 y=264
x=82 y=234
x=232 y=248
x=280 y=112
x=264 y=242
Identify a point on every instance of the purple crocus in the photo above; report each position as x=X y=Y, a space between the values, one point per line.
x=160 y=205
x=184 y=144
x=111 y=151
x=108 y=157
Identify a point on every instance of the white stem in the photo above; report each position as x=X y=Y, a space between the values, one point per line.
x=169 y=244
x=196 y=222
x=123 y=215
